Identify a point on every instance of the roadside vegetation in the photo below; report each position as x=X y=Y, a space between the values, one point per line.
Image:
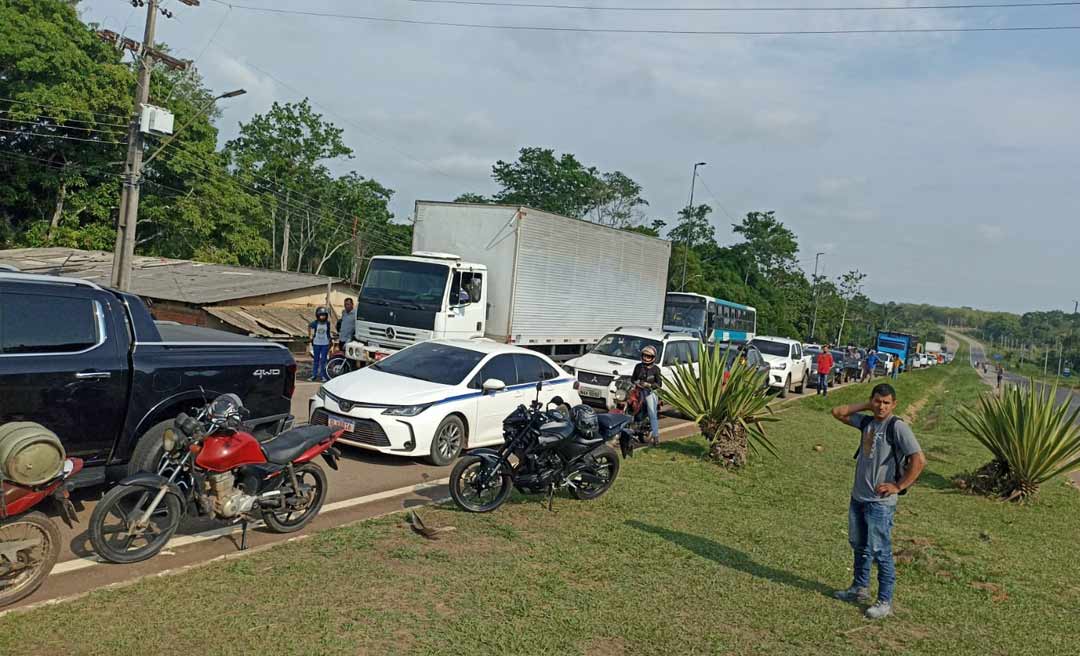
x=681 y=557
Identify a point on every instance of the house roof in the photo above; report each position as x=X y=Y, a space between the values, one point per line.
x=281 y=322
x=162 y=278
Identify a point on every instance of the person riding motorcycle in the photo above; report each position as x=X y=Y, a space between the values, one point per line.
x=647 y=377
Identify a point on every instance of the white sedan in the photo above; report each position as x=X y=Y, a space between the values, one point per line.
x=436 y=398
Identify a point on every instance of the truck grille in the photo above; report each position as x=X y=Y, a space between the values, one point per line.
x=366 y=431
x=590 y=378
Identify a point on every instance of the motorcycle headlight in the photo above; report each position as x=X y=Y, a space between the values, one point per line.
x=407 y=410
x=620 y=395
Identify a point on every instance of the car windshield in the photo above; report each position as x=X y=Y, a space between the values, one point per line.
x=772 y=348
x=432 y=362
x=625 y=346
x=405 y=283
x=684 y=314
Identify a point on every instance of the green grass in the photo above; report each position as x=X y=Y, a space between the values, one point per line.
x=680 y=558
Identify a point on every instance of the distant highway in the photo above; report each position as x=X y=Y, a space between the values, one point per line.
x=978 y=354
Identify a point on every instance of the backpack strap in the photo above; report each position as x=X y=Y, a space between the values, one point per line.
x=897 y=457
x=863 y=423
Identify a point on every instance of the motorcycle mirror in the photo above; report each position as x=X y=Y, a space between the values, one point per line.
x=558 y=400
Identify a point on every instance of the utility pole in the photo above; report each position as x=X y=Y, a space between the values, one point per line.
x=813 y=325
x=1059 y=357
x=689 y=215
x=124 y=249
x=1046 y=359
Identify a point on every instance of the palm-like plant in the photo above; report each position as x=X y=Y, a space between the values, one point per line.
x=730 y=407
x=1031 y=436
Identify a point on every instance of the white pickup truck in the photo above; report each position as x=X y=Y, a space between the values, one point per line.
x=788 y=365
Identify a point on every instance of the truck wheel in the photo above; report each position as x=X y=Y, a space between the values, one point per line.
x=802 y=386
x=786 y=387
x=148 y=451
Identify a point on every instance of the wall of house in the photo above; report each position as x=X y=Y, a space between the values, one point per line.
x=182 y=313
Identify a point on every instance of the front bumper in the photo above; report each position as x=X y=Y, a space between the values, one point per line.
x=370 y=429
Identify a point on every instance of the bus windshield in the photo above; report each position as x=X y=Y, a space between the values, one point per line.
x=405 y=283
x=685 y=314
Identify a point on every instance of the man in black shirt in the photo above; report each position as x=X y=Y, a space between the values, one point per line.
x=647 y=377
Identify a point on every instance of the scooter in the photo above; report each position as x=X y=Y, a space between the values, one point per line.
x=30 y=541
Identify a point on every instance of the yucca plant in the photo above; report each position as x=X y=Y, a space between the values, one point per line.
x=1031 y=437
x=731 y=410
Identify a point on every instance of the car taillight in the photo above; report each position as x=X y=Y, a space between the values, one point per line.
x=290 y=380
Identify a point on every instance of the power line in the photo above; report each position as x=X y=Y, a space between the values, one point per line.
x=536 y=5
x=59 y=136
x=58 y=119
x=61 y=126
x=670 y=32
x=69 y=108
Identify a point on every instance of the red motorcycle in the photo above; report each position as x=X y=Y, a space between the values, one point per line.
x=30 y=541
x=213 y=467
x=630 y=400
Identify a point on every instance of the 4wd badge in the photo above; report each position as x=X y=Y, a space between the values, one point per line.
x=263 y=373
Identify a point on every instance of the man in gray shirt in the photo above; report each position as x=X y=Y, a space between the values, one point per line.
x=347 y=328
x=888 y=462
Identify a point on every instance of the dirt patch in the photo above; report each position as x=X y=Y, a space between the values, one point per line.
x=613 y=646
x=997 y=592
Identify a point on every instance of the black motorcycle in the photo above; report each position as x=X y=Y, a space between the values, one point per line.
x=543 y=452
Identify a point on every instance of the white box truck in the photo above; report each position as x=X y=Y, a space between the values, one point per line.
x=514 y=275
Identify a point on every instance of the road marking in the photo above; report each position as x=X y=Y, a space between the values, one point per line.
x=184 y=540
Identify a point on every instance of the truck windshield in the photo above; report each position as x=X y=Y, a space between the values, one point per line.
x=432 y=362
x=625 y=346
x=772 y=348
x=419 y=285
x=685 y=314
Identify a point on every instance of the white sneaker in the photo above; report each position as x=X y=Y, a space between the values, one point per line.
x=879 y=610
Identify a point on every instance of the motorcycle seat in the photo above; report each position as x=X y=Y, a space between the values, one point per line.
x=288 y=446
x=611 y=423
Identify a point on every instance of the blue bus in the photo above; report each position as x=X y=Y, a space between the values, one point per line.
x=901 y=345
x=713 y=320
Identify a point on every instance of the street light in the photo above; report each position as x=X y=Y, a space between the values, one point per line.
x=689 y=211
x=228 y=94
x=813 y=326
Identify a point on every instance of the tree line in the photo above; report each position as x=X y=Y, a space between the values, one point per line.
x=272 y=196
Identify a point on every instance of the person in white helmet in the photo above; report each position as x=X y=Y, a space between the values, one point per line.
x=647 y=376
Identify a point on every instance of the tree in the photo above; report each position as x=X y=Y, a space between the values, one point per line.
x=539 y=179
x=850 y=286
x=287 y=146
x=774 y=246
x=470 y=197
x=694 y=228
x=617 y=201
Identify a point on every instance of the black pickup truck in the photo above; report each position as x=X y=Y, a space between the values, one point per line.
x=90 y=364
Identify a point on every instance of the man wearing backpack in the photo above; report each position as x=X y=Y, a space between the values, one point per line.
x=887 y=462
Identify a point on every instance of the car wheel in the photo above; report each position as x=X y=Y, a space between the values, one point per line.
x=785 y=388
x=148 y=451
x=447 y=442
x=802 y=386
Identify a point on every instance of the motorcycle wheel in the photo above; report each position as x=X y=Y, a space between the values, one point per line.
x=20 y=578
x=337 y=366
x=607 y=468
x=114 y=514
x=312 y=478
x=468 y=497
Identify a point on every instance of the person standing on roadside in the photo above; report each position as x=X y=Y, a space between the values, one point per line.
x=896 y=365
x=824 y=368
x=319 y=334
x=869 y=365
x=347 y=324
x=888 y=462
x=1000 y=375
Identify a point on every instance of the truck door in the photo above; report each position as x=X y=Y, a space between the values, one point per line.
x=465 y=317
x=61 y=365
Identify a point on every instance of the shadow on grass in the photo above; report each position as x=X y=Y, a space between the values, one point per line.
x=692 y=449
x=935 y=481
x=732 y=558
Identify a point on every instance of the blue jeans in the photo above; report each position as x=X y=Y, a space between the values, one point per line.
x=318 y=366
x=895 y=372
x=870 y=534
x=652 y=404
x=823 y=384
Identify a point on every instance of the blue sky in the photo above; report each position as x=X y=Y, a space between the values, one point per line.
x=942 y=165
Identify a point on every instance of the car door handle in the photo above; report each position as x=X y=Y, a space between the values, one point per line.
x=93 y=375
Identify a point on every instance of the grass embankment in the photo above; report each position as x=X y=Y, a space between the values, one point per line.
x=680 y=558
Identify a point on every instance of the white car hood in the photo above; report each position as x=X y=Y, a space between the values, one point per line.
x=771 y=359
x=603 y=364
x=371 y=386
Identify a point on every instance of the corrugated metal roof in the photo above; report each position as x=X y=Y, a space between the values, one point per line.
x=269 y=321
x=186 y=281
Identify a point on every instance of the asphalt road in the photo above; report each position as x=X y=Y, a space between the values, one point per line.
x=978 y=354
x=366 y=485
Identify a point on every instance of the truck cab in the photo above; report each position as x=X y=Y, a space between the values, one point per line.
x=409 y=299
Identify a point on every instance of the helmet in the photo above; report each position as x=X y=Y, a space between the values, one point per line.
x=321 y=312
x=584 y=419
x=649 y=351
x=225 y=407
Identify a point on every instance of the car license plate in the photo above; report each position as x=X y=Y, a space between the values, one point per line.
x=337 y=422
x=593 y=392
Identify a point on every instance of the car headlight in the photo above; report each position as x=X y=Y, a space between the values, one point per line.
x=321 y=393
x=407 y=410
x=779 y=365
